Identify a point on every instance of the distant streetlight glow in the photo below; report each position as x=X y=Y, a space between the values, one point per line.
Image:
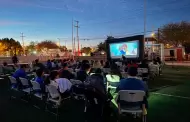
x=153 y=34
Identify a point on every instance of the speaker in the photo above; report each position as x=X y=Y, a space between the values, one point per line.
x=172 y=53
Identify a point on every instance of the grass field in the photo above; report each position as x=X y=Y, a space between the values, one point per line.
x=170 y=103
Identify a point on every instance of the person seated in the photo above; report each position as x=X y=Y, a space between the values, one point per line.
x=38 y=65
x=20 y=72
x=115 y=70
x=102 y=63
x=40 y=79
x=132 y=64
x=107 y=64
x=85 y=62
x=144 y=64
x=83 y=73
x=53 y=64
x=64 y=72
x=63 y=85
x=133 y=83
x=7 y=69
x=49 y=65
x=114 y=77
x=97 y=64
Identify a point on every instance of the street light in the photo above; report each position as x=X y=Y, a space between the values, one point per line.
x=153 y=34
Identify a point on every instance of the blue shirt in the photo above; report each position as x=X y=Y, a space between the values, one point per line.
x=20 y=73
x=40 y=80
x=132 y=84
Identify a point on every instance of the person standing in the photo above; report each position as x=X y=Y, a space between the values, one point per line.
x=15 y=59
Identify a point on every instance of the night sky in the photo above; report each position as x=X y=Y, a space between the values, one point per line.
x=52 y=19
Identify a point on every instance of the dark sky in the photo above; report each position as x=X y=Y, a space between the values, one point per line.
x=52 y=19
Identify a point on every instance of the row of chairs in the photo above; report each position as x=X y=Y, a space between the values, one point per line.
x=54 y=96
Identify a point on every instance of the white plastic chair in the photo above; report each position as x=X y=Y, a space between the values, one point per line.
x=24 y=82
x=12 y=81
x=70 y=69
x=53 y=94
x=106 y=70
x=142 y=71
x=75 y=82
x=132 y=96
x=54 y=97
x=124 y=74
x=76 y=70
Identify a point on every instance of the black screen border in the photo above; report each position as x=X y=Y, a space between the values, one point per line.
x=140 y=38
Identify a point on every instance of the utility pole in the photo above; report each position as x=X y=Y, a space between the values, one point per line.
x=74 y=46
x=72 y=38
x=158 y=35
x=77 y=26
x=145 y=22
x=22 y=36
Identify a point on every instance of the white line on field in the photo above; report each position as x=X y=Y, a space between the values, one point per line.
x=182 y=97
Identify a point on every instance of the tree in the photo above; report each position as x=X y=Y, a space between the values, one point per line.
x=10 y=45
x=31 y=47
x=102 y=45
x=63 y=48
x=175 y=34
x=46 y=44
x=86 y=50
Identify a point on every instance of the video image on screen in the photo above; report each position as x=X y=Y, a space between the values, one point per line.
x=129 y=49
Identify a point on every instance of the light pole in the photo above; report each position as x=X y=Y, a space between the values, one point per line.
x=59 y=42
x=145 y=2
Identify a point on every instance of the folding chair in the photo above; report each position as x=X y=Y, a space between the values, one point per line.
x=26 y=86
x=70 y=69
x=106 y=70
x=77 y=89
x=53 y=97
x=36 y=87
x=142 y=71
x=76 y=70
x=13 y=87
x=124 y=74
x=38 y=95
x=125 y=101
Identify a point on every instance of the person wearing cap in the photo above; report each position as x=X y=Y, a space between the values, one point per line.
x=64 y=72
x=133 y=83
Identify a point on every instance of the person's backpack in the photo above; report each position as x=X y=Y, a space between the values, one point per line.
x=97 y=81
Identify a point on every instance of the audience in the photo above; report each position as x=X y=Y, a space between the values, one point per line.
x=40 y=79
x=6 y=69
x=107 y=64
x=97 y=64
x=49 y=65
x=63 y=85
x=115 y=70
x=20 y=72
x=38 y=65
x=144 y=64
x=64 y=72
x=102 y=63
x=84 y=72
x=133 y=83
